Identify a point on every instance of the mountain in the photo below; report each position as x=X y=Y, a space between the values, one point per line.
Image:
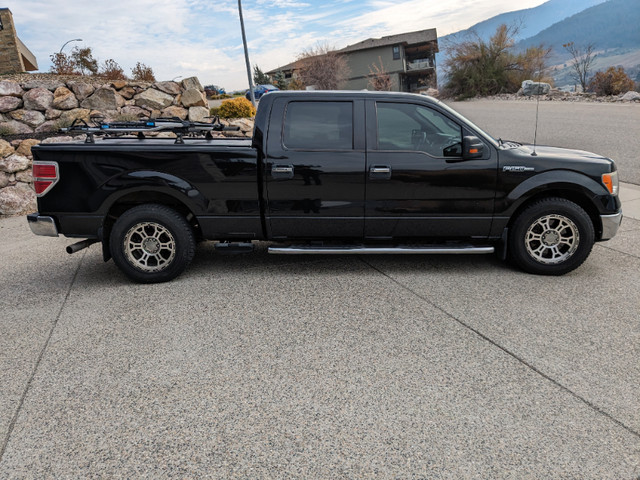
x=531 y=20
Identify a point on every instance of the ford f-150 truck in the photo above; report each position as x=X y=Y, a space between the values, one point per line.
x=328 y=173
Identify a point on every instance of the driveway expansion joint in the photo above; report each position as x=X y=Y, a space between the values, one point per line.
x=521 y=360
x=14 y=419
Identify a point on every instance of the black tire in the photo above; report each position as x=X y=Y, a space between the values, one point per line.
x=152 y=243
x=552 y=236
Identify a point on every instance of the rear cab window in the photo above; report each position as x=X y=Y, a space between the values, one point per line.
x=318 y=126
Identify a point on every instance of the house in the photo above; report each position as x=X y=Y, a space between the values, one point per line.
x=408 y=58
x=15 y=57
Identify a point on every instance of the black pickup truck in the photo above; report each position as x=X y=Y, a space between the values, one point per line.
x=328 y=173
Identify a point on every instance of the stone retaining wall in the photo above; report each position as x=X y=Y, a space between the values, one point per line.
x=42 y=107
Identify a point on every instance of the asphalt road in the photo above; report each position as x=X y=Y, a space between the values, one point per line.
x=610 y=129
x=261 y=366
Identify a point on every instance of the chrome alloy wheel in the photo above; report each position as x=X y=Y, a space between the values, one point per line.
x=552 y=239
x=149 y=246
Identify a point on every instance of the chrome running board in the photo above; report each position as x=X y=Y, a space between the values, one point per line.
x=363 y=250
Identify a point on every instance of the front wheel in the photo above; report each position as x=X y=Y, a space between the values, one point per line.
x=152 y=243
x=551 y=237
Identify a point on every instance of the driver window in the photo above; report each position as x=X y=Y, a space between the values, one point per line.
x=406 y=126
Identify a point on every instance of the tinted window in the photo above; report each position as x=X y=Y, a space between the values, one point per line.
x=396 y=53
x=405 y=126
x=319 y=126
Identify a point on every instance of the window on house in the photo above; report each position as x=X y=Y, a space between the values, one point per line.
x=396 y=52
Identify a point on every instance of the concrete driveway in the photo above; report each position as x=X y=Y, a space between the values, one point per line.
x=261 y=366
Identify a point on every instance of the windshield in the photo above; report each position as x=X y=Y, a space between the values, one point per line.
x=468 y=122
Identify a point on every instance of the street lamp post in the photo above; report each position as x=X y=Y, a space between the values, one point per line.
x=69 y=41
x=246 y=56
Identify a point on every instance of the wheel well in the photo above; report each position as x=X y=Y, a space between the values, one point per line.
x=576 y=197
x=139 y=198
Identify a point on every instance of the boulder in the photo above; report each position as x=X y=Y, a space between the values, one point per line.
x=102 y=99
x=46 y=84
x=175 y=111
x=9 y=87
x=198 y=114
x=192 y=82
x=134 y=111
x=60 y=139
x=172 y=88
x=49 y=126
x=7 y=104
x=530 y=87
x=245 y=124
x=25 y=146
x=4 y=179
x=77 y=113
x=38 y=99
x=193 y=98
x=118 y=84
x=33 y=118
x=631 y=97
x=17 y=199
x=15 y=127
x=5 y=149
x=64 y=99
x=52 y=114
x=81 y=90
x=25 y=176
x=14 y=163
x=127 y=93
x=153 y=99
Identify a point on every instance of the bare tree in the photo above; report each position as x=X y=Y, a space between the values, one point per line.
x=85 y=63
x=581 y=63
x=322 y=67
x=62 y=64
x=379 y=79
x=143 y=73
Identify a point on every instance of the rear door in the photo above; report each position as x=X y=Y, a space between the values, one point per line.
x=418 y=185
x=315 y=168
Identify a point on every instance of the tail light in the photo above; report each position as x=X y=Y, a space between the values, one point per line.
x=45 y=176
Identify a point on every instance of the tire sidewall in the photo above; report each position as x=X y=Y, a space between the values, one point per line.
x=550 y=206
x=168 y=218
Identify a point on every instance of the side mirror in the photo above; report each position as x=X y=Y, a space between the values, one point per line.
x=472 y=147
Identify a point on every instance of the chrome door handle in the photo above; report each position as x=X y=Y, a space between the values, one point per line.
x=282 y=171
x=380 y=172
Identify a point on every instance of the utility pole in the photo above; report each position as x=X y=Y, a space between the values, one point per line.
x=246 y=56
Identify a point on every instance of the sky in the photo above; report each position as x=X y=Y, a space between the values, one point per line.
x=184 y=38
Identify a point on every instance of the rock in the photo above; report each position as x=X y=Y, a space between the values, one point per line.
x=6 y=149
x=46 y=84
x=118 y=84
x=33 y=118
x=134 y=111
x=198 y=114
x=64 y=99
x=153 y=99
x=49 y=126
x=9 y=87
x=17 y=199
x=102 y=99
x=192 y=82
x=172 y=88
x=61 y=139
x=25 y=146
x=193 y=98
x=245 y=124
x=14 y=163
x=530 y=87
x=4 y=179
x=52 y=114
x=81 y=90
x=38 y=99
x=127 y=93
x=627 y=97
x=7 y=104
x=15 y=127
x=25 y=176
x=175 y=111
x=77 y=113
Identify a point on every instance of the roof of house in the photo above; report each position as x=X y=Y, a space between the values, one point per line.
x=411 y=38
x=421 y=36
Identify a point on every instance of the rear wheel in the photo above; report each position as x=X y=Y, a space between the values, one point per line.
x=551 y=237
x=152 y=243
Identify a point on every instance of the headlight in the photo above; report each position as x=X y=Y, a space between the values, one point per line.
x=610 y=180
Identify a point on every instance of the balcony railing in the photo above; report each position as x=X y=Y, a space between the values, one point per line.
x=420 y=64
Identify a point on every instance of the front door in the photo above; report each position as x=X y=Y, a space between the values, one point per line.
x=315 y=169
x=418 y=185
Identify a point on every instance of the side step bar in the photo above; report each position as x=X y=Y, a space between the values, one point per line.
x=363 y=250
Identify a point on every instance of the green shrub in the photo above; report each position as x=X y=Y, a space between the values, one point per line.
x=237 y=108
x=214 y=112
